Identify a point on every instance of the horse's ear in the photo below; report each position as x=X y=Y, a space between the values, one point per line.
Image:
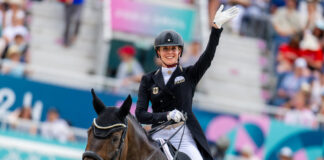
x=125 y=107
x=97 y=104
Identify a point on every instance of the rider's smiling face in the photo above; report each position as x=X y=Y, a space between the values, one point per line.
x=169 y=55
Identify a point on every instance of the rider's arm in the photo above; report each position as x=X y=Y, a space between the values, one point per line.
x=221 y=17
x=199 y=68
x=142 y=115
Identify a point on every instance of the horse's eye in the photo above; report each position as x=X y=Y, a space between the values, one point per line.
x=114 y=139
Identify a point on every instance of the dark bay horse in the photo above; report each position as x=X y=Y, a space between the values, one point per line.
x=116 y=134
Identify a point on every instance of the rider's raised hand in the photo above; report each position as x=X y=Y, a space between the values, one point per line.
x=222 y=17
x=175 y=115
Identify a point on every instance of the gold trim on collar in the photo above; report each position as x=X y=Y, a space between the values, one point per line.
x=181 y=68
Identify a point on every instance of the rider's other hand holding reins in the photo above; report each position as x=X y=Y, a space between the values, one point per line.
x=222 y=17
x=175 y=115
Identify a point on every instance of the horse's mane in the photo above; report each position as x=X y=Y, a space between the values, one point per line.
x=140 y=126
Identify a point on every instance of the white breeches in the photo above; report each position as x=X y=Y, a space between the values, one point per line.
x=188 y=145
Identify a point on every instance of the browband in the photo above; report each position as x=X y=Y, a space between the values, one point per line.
x=108 y=127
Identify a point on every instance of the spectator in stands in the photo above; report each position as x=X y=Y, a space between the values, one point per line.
x=318 y=31
x=247 y=153
x=320 y=115
x=310 y=11
x=12 y=65
x=20 y=42
x=55 y=127
x=291 y=83
x=221 y=147
x=129 y=70
x=2 y=14
x=191 y=57
x=311 y=51
x=241 y=5
x=288 y=53
x=73 y=11
x=300 y=113
x=15 y=13
x=286 y=22
x=286 y=154
x=255 y=20
x=21 y=120
x=10 y=32
x=317 y=88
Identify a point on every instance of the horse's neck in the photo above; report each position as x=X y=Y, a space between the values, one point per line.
x=138 y=143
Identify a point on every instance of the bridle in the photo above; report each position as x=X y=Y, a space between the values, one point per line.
x=114 y=128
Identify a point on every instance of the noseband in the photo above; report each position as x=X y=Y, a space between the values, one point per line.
x=114 y=128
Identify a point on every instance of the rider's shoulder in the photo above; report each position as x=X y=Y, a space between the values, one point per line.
x=153 y=73
x=150 y=75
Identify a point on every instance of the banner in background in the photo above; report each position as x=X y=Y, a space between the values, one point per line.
x=74 y=105
x=150 y=18
x=266 y=136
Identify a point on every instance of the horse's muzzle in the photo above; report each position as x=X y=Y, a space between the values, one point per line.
x=89 y=155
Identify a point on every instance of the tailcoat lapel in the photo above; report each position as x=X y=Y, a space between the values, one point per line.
x=158 y=78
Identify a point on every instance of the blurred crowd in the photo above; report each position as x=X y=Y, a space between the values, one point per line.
x=293 y=31
x=14 y=37
x=54 y=127
x=297 y=48
x=15 y=19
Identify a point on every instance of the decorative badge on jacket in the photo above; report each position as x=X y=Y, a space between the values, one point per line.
x=179 y=79
x=155 y=90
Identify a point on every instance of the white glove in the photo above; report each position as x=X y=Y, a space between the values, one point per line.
x=175 y=115
x=223 y=17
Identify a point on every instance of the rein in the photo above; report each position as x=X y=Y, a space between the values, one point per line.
x=165 y=124
x=159 y=127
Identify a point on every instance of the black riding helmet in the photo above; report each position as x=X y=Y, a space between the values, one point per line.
x=168 y=38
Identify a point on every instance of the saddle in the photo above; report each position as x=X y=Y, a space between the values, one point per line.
x=169 y=150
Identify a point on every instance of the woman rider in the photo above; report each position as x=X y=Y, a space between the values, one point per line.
x=171 y=89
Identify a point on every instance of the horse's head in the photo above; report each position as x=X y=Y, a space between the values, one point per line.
x=108 y=130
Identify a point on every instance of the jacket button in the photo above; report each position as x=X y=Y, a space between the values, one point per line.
x=173 y=97
x=161 y=101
